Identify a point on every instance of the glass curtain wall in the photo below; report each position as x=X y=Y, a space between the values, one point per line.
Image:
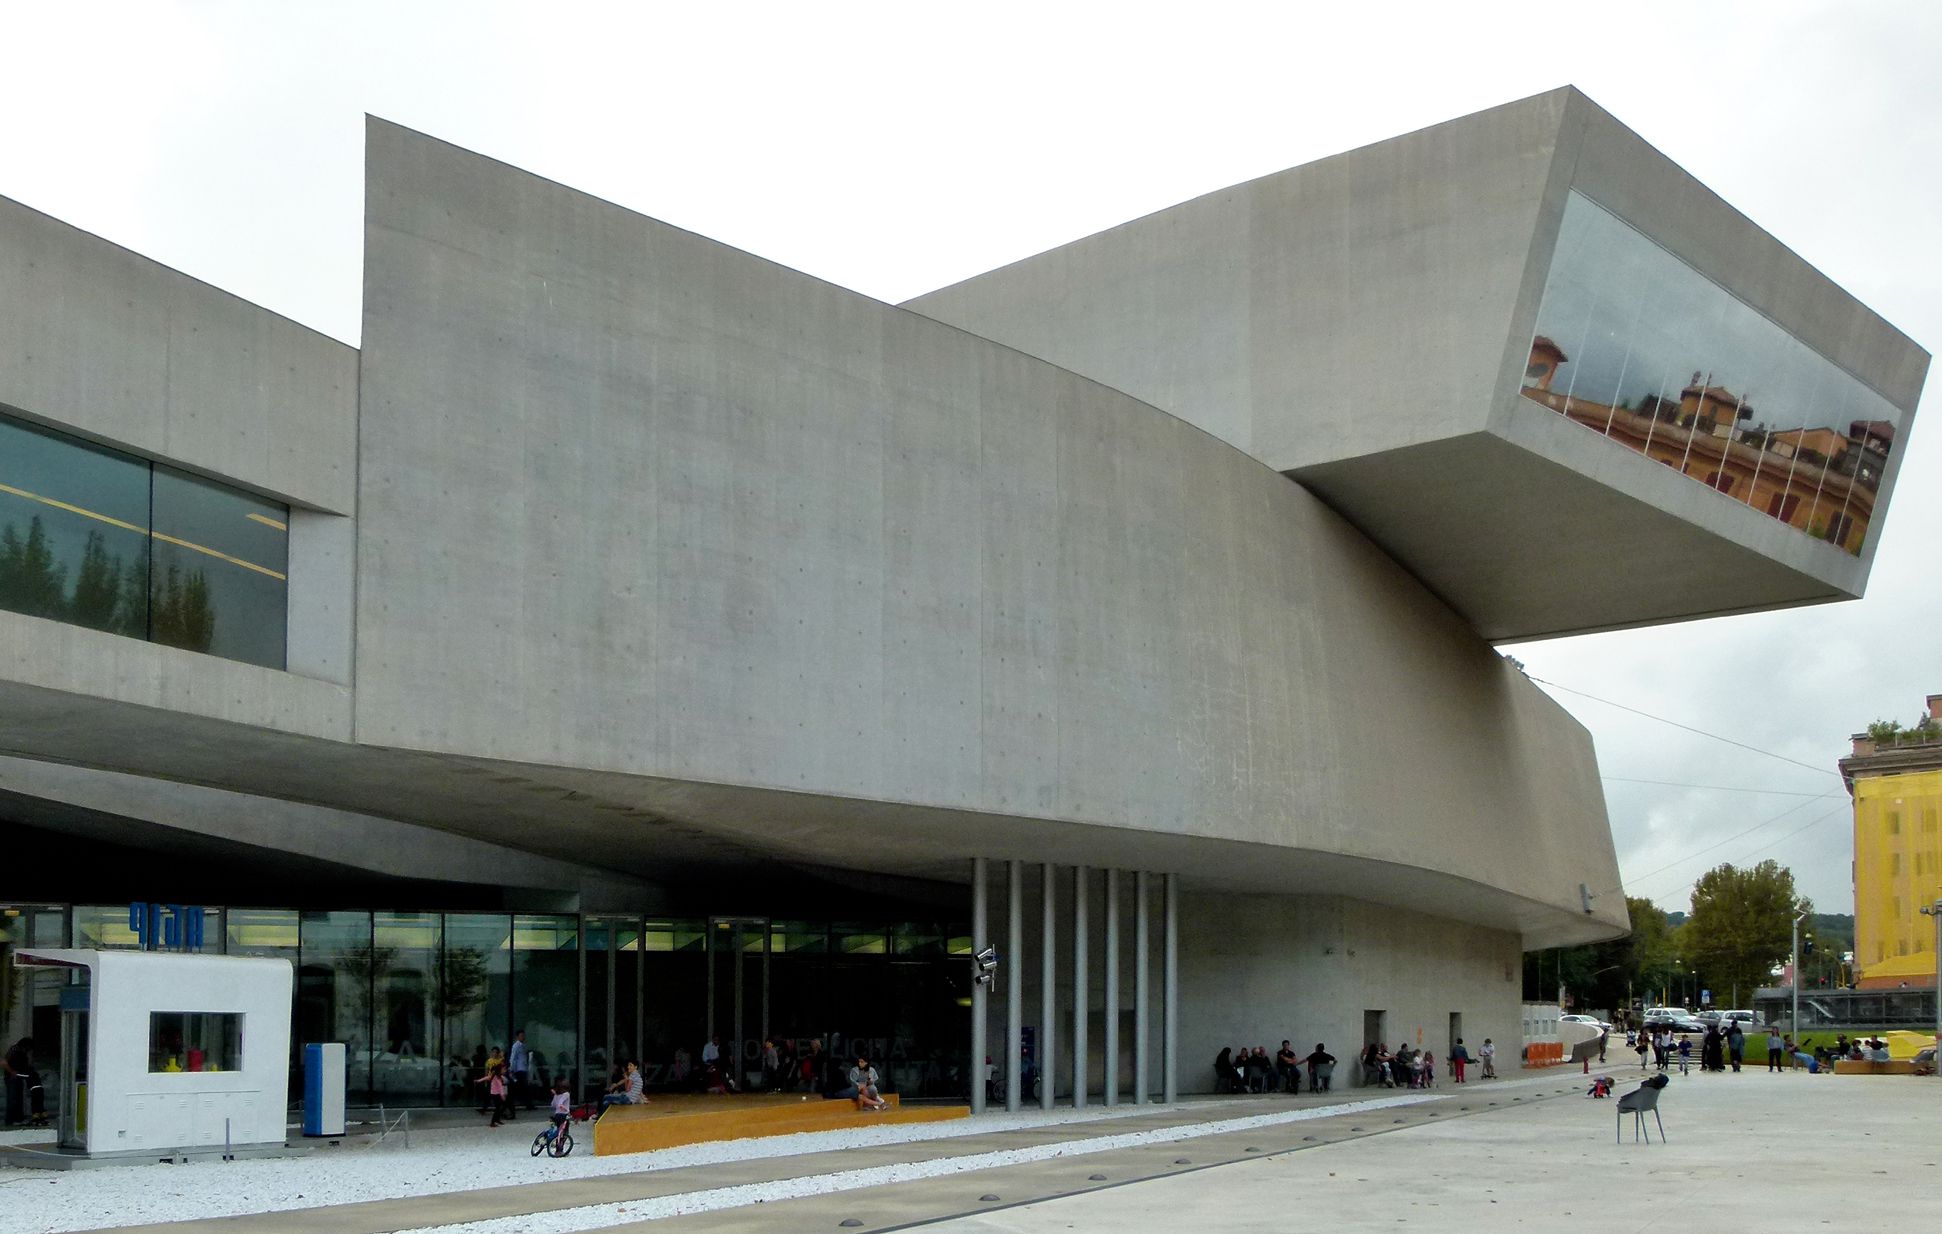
x=99 y=538
x=419 y=999
x=1639 y=347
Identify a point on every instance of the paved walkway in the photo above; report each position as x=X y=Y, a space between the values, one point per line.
x=1074 y=1152
x=1788 y=1152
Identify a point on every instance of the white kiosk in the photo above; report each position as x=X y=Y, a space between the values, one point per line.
x=166 y=1053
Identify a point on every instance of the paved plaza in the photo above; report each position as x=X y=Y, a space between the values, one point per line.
x=1835 y=1153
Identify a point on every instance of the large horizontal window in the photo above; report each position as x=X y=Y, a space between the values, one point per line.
x=104 y=539
x=1634 y=344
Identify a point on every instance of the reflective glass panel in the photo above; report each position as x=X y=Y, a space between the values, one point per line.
x=472 y=998
x=1637 y=346
x=334 y=980
x=218 y=582
x=73 y=530
x=404 y=975
x=546 y=994
x=262 y=932
x=104 y=927
x=675 y=984
x=103 y=539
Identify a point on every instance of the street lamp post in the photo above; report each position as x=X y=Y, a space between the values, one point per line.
x=1793 y=1022
x=1935 y=911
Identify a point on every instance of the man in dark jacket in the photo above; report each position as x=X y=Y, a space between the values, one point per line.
x=1321 y=1065
x=22 y=1077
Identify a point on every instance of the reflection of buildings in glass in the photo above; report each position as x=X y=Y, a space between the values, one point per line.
x=1817 y=480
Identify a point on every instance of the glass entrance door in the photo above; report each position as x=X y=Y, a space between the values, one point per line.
x=738 y=996
x=613 y=995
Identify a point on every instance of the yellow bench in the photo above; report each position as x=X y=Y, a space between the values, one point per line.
x=672 y=1120
x=1863 y=1066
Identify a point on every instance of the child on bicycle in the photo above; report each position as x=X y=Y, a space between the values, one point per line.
x=562 y=1105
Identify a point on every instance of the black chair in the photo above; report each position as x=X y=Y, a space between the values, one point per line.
x=1641 y=1099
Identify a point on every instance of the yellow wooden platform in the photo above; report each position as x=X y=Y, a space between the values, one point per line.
x=673 y=1119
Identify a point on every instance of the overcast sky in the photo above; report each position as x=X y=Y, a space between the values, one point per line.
x=896 y=148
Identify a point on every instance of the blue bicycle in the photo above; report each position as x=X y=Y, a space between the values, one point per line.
x=555 y=1141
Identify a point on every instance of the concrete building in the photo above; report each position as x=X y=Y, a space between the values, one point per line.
x=1896 y=782
x=637 y=642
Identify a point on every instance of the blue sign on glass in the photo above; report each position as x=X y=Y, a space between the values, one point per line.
x=166 y=927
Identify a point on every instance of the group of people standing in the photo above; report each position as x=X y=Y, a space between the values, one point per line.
x=1718 y=1048
x=1410 y=1067
x=1241 y=1070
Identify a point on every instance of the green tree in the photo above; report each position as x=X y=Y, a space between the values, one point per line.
x=97 y=586
x=31 y=581
x=1608 y=975
x=179 y=613
x=1741 y=925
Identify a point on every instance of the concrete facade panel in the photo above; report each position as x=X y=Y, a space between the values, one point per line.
x=54 y=655
x=716 y=522
x=1384 y=301
x=103 y=342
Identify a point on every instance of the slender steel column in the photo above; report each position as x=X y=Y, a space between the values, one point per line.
x=1142 y=936
x=1081 y=988
x=980 y=992
x=579 y=1020
x=1170 y=1030
x=1015 y=986
x=738 y=1065
x=1048 y=1033
x=1112 y=988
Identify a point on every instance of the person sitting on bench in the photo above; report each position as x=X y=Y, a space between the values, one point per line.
x=862 y=1087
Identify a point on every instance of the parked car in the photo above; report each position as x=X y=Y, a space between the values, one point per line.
x=1678 y=1019
x=1603 y=1025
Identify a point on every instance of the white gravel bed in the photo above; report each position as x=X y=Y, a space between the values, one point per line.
x=466 y=1159
x=438 y=1161
x=602 y=1216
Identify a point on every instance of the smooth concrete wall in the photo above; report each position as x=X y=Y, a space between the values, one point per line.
x=1364 y=322
x=1258 y=969
x=75 y=660
x=635 y=502
x=1336 y=310
x=104 y=342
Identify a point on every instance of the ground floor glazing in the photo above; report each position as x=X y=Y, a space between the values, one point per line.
x=419 y=998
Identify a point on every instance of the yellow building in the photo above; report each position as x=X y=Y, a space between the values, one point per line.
x=1897 y=789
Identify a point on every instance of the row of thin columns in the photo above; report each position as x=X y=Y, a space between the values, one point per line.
x=1011 y=972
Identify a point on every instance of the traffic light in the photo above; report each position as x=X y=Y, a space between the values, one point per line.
x=1807 y=945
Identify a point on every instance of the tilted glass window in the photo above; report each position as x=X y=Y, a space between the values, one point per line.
x=1639 y=347
x=107 y=540
x=195 y=1041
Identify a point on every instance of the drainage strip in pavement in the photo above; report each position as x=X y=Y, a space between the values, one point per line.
x=916 y=1194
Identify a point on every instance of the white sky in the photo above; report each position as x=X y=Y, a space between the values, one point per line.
x=894 y=148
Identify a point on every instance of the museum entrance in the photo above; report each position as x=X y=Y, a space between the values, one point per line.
x=738 y=997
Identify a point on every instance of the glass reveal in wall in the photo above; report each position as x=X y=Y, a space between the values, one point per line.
x=1635 y=345
x=104 y=539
